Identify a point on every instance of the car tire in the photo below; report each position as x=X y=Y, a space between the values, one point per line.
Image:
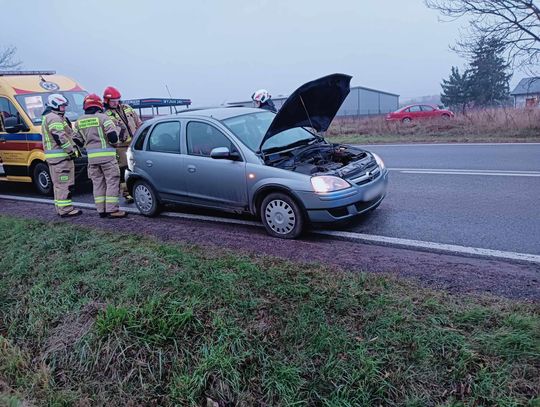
x=406 y=120
x=42 y=180
x=281 y=216
x=445 y=116
x=146 y=199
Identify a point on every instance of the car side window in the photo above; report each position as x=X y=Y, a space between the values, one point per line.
x=165 y=138
x=202 y=138
x=139 y=143
x=415 y=109
x=7 y=109
x=427 y=108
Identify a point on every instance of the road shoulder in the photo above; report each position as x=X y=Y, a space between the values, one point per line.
x=456 y=274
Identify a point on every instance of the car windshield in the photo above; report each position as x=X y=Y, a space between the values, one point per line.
x=251 y=128
x=35 y=103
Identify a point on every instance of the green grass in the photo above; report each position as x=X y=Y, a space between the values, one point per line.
x=92 y=318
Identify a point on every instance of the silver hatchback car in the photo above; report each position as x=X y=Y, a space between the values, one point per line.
x=248 y=160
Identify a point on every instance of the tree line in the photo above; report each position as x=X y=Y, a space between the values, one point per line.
x=500 y=35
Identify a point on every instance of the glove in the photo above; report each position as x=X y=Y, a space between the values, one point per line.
x=75 y=153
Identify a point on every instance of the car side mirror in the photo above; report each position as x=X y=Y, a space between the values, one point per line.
x=223 y=153
x=13 y=125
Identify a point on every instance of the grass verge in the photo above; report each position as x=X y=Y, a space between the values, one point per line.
x=479 y=126
x=91 y=318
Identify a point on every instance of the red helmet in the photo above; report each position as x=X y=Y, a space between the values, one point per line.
x=111 y=92
x=92 y=100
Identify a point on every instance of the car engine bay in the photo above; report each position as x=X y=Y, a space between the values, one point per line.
x=323 y=159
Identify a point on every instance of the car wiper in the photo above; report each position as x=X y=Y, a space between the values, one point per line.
x=288 y=146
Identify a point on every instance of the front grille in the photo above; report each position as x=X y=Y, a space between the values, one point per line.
x=371 y=173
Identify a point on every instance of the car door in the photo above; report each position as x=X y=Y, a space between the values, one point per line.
x=415 y=112
x=13 y=146
x=161 y=163
x=428 y=112
x=213 y=182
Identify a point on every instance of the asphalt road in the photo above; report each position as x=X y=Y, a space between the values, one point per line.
x=485 y=196
x=493 y=209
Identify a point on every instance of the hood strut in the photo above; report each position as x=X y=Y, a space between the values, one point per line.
x=307 y=113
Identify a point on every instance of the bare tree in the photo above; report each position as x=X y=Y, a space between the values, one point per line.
x=7 y=58
x=515 y=23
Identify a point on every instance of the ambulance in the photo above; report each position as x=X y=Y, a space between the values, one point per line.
x=23 y=96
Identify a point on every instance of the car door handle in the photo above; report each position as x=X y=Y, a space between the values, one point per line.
x=149 y=163
x=191 y=168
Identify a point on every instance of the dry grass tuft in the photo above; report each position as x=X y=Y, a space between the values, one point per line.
x=489 y=125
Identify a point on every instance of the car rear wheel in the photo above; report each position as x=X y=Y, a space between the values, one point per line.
x=146 y=199
x=41 y=177
x=445 y=116
x=281 y=216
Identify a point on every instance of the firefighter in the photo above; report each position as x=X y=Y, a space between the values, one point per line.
x=127 y=121
x=262 y=99
x=59 y=153
x=97 y=133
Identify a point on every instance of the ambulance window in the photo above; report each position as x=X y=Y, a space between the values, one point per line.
x=34 y=106
x=140 y=140
x=7 y=109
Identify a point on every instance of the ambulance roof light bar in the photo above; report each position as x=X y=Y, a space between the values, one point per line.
x=21 y=73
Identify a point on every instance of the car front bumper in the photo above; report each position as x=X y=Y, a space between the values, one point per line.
x=346 y=204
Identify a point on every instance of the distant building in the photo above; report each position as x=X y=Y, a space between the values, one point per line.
x=361 y=101
x=527 y=93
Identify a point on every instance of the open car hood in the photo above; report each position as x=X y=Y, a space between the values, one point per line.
x=313 y=104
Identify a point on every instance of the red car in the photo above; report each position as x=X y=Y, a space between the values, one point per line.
x=418 y=112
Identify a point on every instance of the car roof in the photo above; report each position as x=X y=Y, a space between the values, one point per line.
x=218 y=113
x=417 y=104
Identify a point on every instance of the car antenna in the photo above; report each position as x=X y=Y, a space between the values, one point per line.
x=169 y=92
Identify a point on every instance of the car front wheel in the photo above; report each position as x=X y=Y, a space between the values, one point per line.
x=281 y=216
x=406 y=120
x=145 y=198
x=41 y=177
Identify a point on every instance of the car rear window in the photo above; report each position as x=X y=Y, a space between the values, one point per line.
x=165 y=138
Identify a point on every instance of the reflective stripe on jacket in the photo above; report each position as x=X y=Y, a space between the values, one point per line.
x=57 y=138
x=91 y=130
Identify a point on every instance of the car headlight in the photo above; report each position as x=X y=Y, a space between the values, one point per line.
x=328 y=183
x=379 y=161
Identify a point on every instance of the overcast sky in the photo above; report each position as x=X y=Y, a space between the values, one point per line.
x=214 y=51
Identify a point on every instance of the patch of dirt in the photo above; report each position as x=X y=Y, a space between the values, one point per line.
x=453 y=273
x=72 y=329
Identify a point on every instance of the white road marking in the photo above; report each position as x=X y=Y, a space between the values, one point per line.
x=447 y=144
x=500 y=174
x=361 y=237
x=448 y=171
x=533 y=258
x=464 y=170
